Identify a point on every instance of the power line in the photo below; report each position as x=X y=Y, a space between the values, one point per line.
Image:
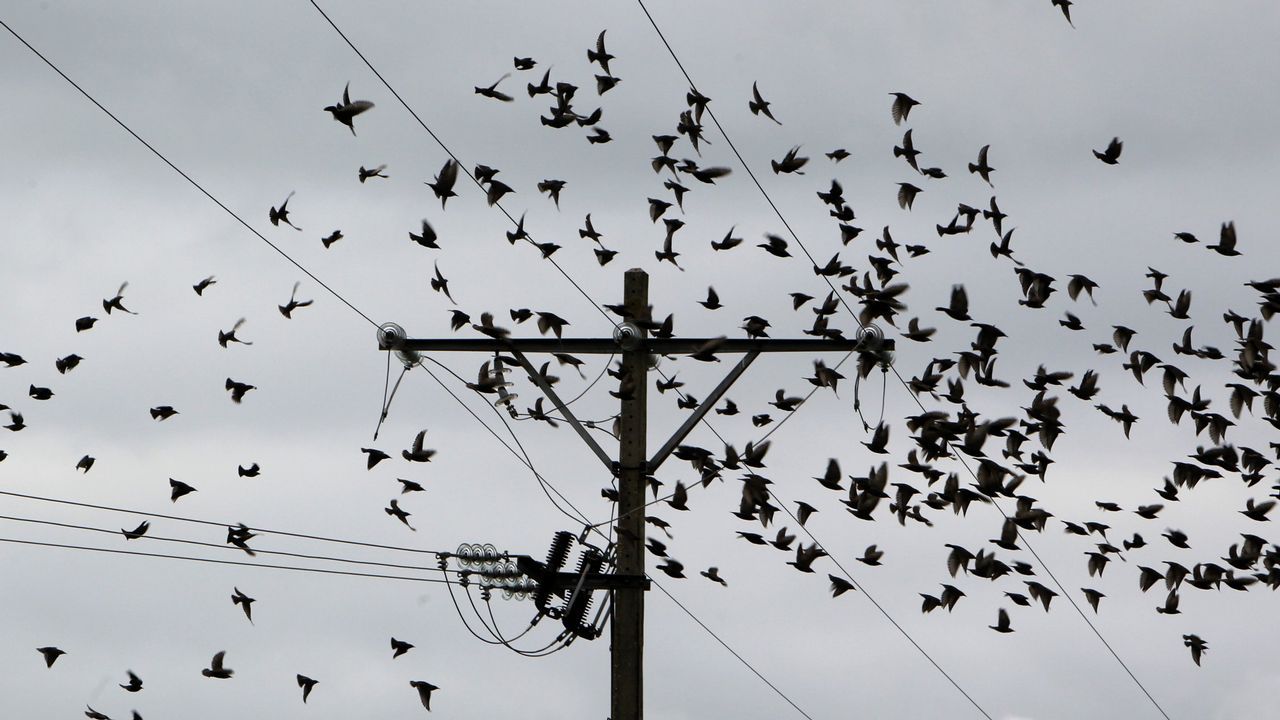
x=528 y=238
x=733 y=652
x=185 y=176
x=184 y=541
x=219 y=562
x=845 y=303
x=547 y=487
x=218 y=524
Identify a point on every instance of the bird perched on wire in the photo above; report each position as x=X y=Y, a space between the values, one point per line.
x=345 y=111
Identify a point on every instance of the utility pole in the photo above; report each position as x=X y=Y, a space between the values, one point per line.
x=627 y=627
x=628 y=582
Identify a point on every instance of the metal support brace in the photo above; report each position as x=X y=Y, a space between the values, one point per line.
x=656 y=461
x=546 y=388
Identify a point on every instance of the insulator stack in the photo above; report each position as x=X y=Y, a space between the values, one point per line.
x=579 y=604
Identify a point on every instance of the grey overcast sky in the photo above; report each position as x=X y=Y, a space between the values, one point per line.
x=232 y=93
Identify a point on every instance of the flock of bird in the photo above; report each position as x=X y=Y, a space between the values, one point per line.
x=945 y=429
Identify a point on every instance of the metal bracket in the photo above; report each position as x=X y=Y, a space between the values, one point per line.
x=546 y=388
x=683 y=431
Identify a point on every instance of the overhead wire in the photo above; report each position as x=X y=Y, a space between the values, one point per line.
x=185 y=176
x=857 y=319
x=567 y=277
x=148 y=536
x=451 y=154
x=241 y=563
x=180 y=518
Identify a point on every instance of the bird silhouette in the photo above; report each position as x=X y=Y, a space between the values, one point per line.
x=51 y=655
x=1065 y=5
x=203 y=285
x=135 y=683
x=599 y=54
x=1111 y=155
x=492 y=90
x=399 y=647
x=424 y=691
x=366 y=173
x=902 y=104
x=229 y=336
x=293 y=304
x=758 y=105
x=245 y=602
x=117 y=302
x=444 y=181
x=216 y=668
x=306 y=684
x=346 y=111
x=280 y=214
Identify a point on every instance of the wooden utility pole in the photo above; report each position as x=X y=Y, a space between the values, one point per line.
x=627 y=627
x=628 y=581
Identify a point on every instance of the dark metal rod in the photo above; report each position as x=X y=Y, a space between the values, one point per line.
x=546 y=388
x=678 y=437
x=658 y=346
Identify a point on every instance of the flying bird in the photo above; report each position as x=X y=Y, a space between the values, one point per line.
x=790 y=163
x=216 y=669
x=417 y=453
x=1066 y=10
x=399 y=647
x=134 y=684
x=306 y=684
x=441 y=285
x=493 y=92
x=758 y=105
x=1111 y=155
x=203 y=285
x=281 y=214
x=599 y=54
x=444 y=181
x=179 y=489
x=1226 y=241
x=902 y=104
x=293 y=304
x=365 y=174
x=424 y=691
x=345 y=111
x=117 y=302
x=137 y=532
x=244 y=601
x=238 y=390
x=981 y=167
x=227 y=336
x=428 y=237
x=51 y=654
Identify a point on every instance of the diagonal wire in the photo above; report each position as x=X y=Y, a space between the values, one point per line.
x=800 y=243
x=451 y=154
x=185 y=176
